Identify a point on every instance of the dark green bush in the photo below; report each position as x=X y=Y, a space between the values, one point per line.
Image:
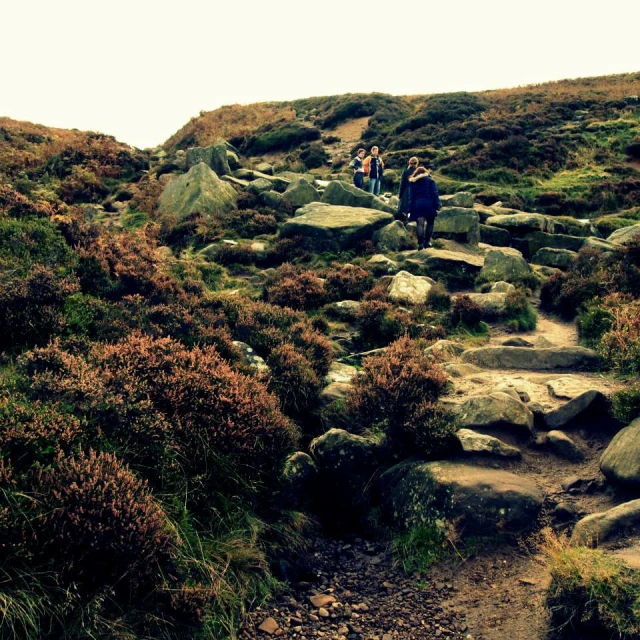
x=593 y=322
x=626 y=403
x=282 y=138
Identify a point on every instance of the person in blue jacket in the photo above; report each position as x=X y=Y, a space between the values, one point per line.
x=424 y=204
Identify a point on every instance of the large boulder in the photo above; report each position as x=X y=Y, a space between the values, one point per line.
x=574 y=227
x=332 y=227
x=214 y=157
x=625 y=236
x=348 y=195
x=592 y=402
x=548 y=359
x=531 y=243
x=620 y=461
x=458 y=223
x=394 y=237
x=505 y=264
x=300 y=192
x=299 y=481
x=451 y=264
x=460 y=199
x=558 y=258
x=602 y=245
x=346 y=463
x=521 y=223
x=494 y=236
x=600 y=527
x=496 y=410
x=480 y=501
x=278 y=183
x=259 y=185
x=406 y=287
x=492 y=304
x=199 y=190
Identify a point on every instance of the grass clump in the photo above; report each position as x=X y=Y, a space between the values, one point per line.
x=626 y=403
x=591 y=591
x=419 y=548
x=520 y=315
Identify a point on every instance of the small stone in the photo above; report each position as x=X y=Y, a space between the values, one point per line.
x=323 y=613
x=321 y=600
x=269 y=626
x=363 y=606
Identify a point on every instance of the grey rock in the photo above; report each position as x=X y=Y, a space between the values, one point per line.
x=474 y=443
x=480 y=500
x=300 y=192
x=620 y=461
x=493 y=305
x=329 y=227
x=445 y=349
x=497 y=410
x=460 y=199
x=531 y=243
x=549 y=359
x=348 y=195
x=502 y=287
x=521 y=222
x=592 y=401
x=259 y=185
x=408 y=288
x=600 y=527
x=200 y=190
x=505 y=265
x=394 y=237
x=558 y=258
x=625 y=236
x=562 y=445
x=251 y=358
x=494 y=236
x=457 y=223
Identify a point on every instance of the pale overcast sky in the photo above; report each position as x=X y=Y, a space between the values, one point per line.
x=140 y=69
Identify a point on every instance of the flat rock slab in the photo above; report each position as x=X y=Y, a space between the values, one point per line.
x=573 y=358
x=340 y=372
x=334 y=227
x=568 y=387
x=600 y=527
x=405 y=287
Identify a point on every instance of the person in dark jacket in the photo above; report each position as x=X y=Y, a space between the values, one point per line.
x=374 y=168
x=424 y=204
x=357 y=164
x=403 y=192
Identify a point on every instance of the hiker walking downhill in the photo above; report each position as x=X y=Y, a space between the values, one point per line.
x=424 y=203
x=403 y=191
x=357 y=164
x=374 y=168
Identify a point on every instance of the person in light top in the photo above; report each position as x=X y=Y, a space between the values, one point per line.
x=374 y=168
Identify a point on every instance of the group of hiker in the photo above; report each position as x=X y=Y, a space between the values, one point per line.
x=418 y=193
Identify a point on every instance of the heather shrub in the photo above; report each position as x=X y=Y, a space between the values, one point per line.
x=285 y=250
x=97 y=525
x=465 y=312
x=379 y=323
x=626 y=403
x=14 y=204
x=620 y=345
x=248 y=223
x=519 y=314
x=395 y=393
x=32 y=307
x=293 y=380
x=34 y=432
x=592 y=323
x=438 y=298
x=295 y=288
x=234 y=254
x=347 y=282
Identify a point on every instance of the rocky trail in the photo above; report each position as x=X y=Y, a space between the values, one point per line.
x=496 y=589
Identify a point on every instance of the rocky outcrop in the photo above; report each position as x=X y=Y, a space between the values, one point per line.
x=198 y=190
x=494 y=236
x=549 y=359
x=460 y=199
x=531 y=243
x=592 y=401
x=521 y=223
x=480 y=501
x=214 y=157
x=620 y=461
x=331 y=227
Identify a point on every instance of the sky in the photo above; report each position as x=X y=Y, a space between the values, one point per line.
x=139 y=70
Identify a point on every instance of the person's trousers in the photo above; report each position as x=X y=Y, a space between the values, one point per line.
x=424 y=230
x=374 y=186
x=358 y=179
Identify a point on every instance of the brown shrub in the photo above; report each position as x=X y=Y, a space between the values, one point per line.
x=379 y=323
x=98 y=525
x=16 y=205
x=31 y=308
x=347 y=282
x=295 y=288
x=391 y=385
x=293 y=380
x=465 y=312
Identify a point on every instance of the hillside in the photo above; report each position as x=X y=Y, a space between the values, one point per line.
x=240 y=397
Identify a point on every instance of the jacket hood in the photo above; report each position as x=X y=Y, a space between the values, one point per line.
x=416 y=178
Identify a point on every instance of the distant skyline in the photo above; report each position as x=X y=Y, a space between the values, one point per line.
x=140 y=70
